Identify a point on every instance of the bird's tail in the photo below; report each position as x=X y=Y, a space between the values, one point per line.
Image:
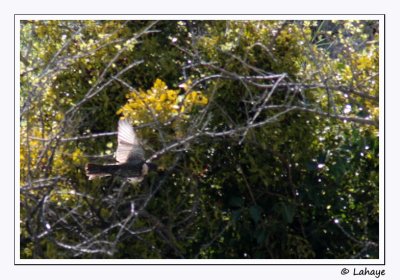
x=96 y=170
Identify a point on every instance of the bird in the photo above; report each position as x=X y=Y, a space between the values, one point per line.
x=130 y=159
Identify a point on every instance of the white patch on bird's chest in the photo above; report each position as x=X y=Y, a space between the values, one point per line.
x=145 y=169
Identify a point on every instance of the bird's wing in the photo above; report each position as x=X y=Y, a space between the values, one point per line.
x=129 y=147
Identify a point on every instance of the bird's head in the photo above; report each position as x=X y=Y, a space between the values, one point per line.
x=152 y=166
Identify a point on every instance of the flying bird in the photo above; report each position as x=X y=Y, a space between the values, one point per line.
x=130 y=164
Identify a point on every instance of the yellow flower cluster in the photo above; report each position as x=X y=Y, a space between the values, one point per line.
x=160 y=103
x=197 y=98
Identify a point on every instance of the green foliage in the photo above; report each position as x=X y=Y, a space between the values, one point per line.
x=266 y=134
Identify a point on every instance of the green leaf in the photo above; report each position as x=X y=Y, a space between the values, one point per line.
x=288 y=212
x=261 y=235
x=255 y=213
x=236 y=215
x=236 y=201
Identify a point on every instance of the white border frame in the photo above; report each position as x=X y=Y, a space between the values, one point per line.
x=382 y=233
